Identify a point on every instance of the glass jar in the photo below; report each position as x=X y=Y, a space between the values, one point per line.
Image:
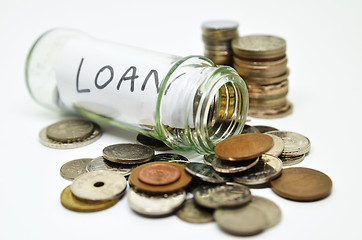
x=188 y=103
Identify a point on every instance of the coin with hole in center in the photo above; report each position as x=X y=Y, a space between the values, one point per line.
x=193 y=213
x=155 y=205
x=302 y=184
x=99 y=185
x=128 y=153
x=159 y=174
x=243 y=147
x=226 y=195
x=72 y=203
x=72 y=169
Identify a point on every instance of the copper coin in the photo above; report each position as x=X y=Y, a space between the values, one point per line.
x=181 y=183
x=244 y=146
x=302 y=184
x=159 y=174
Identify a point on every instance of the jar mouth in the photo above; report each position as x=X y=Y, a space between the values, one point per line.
x=222 y=112
x=216 y=108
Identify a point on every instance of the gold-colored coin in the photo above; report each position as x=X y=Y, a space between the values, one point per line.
x=72 y=203
x=270 y=113
x=70 y=130
x=262 y=69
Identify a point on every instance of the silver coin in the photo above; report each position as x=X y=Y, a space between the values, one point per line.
x=100 y=163
x=226 y=195
x=205 y=173
x=232 y=167
x=208 y=159
x=289 y=161
x=128 y=153
x=155 y=205
x=295 y=144
x=70 y=130
x=191 y=212
x=61 y=145
x=219 y=25
x=153 y=143
x=278 y=146
x=264 y=129
x=171 y=157
x=246 y=220
x=99 y=185
x=271 y=211
x=72 y=169
x=268 y=168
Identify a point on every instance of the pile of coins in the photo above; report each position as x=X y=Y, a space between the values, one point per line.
x=217 y=37
x=219 y=188
x=262 y=62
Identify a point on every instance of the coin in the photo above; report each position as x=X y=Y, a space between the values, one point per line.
x=295 y=144
x=267 y=168
x=249 y=129
x=278 y=146
x=153 y=143
x=259 y=47
x=271 y=211
x=72 y=203
x=99 y=185
x=302 y=184
x=159 y=174
x=271 y=113
x=191 y=212
x=222 y=166
x=100 y=163
x=264 y=129
x=226 y=195
x=171 y=157
x=246 y=220
x=72 y=169
x=243 y=147
x=70 y=130
x=61 y=145
x=208 y=159
x=269 y=91
x=155 y=205
x=128 y=153
x=289 y=161
x=181 y=183
x=205 y=173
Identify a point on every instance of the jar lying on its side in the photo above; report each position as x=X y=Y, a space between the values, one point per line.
x=189 y=103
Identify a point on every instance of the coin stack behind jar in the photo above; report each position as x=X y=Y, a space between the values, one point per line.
x=217 y=36
x=262 y=62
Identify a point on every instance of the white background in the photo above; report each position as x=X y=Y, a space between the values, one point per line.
x=324 y=48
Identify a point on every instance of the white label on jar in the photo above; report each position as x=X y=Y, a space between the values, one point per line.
x=112 y=80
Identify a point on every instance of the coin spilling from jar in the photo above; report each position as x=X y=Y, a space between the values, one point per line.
x=219 y=189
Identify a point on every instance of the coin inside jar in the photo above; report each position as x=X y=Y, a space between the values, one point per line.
x=159 y=174
x=243 y=147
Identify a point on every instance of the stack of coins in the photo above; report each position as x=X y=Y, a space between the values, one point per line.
x=262 y=62
x=217 y=36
